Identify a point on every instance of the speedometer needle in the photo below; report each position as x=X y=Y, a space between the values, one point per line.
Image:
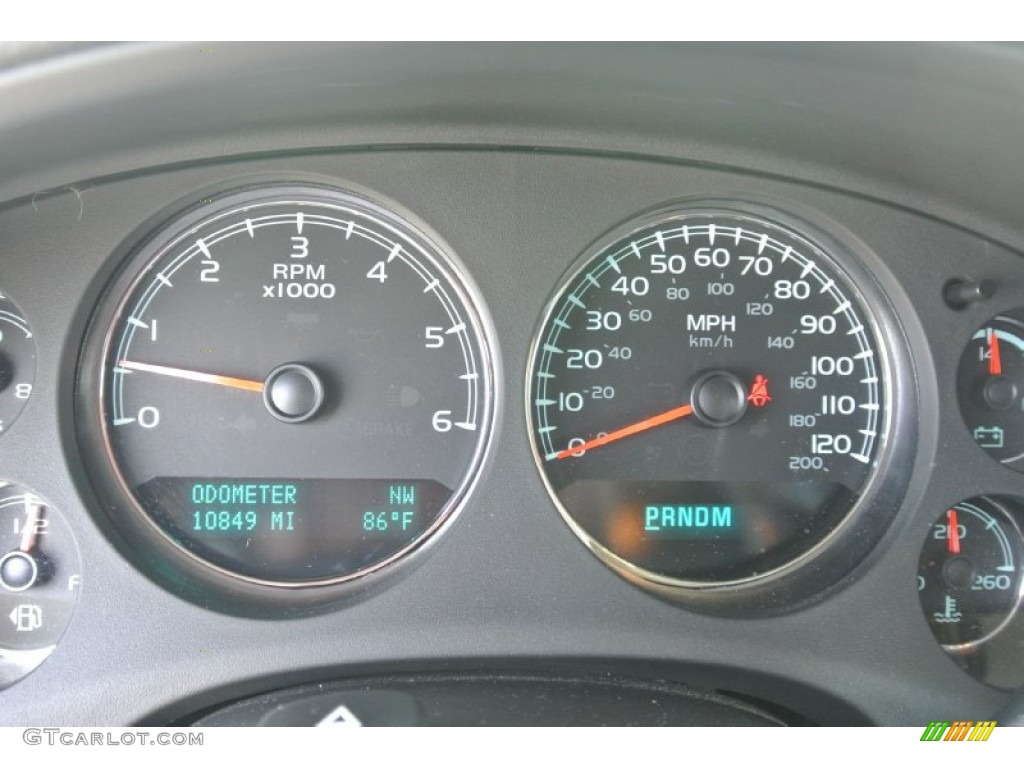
x=633 y=429
x=206 y=378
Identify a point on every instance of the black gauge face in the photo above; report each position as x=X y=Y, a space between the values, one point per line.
x=968 y=577
x=990 y=386
x=708 y=397
x=17 y=362
x=39 y=580
x=296 y=387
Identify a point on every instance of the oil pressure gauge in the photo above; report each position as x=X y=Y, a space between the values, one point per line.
x=17 y=362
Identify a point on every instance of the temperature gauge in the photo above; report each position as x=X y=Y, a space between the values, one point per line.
x=968 y=576
x=39 y=580
x=990 y=386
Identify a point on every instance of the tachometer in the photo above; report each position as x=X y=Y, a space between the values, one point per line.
x=295 y=389
x=709 y=397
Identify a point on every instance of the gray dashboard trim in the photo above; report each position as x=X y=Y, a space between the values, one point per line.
x=598 y=133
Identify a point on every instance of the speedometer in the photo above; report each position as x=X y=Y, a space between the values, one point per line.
x=710 y=397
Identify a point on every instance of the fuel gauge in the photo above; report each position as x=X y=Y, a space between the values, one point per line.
x=969 y=574
x=990 y=386
x=39 y=580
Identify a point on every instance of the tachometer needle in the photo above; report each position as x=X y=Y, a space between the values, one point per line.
x=995 y=359
x=633 y=429
x=206 y=378
x=954 y=533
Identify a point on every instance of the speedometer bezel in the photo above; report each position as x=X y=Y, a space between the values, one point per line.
x=136 y=534
x=824 y=565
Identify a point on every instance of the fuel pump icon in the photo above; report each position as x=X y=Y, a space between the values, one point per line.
x=26 y=617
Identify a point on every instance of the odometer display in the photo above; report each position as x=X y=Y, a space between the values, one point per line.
x=296 y=388
x=708 y=397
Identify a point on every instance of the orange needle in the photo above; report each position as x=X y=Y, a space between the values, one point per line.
x=954 y=533
x=995 y=359
x=33 y=514
x=633 y=429
x=207 y=378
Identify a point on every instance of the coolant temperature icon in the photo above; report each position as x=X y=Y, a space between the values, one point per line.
x=950 y=615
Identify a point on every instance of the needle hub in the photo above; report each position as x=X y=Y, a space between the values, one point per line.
x=719 y=399
x=18 y=571
x=293 y=393
x=959 y=572
x=1000 y=393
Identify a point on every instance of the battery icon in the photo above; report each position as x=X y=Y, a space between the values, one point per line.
x=989 y=437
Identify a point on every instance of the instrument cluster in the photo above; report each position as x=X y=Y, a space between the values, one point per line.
x=288 y=389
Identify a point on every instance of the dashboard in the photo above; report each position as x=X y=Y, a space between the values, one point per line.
x=390 y=365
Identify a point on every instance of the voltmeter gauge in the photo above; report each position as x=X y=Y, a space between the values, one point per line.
x=711 y=397
x=990 y=386
x=40 y=580
x=289 y=388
